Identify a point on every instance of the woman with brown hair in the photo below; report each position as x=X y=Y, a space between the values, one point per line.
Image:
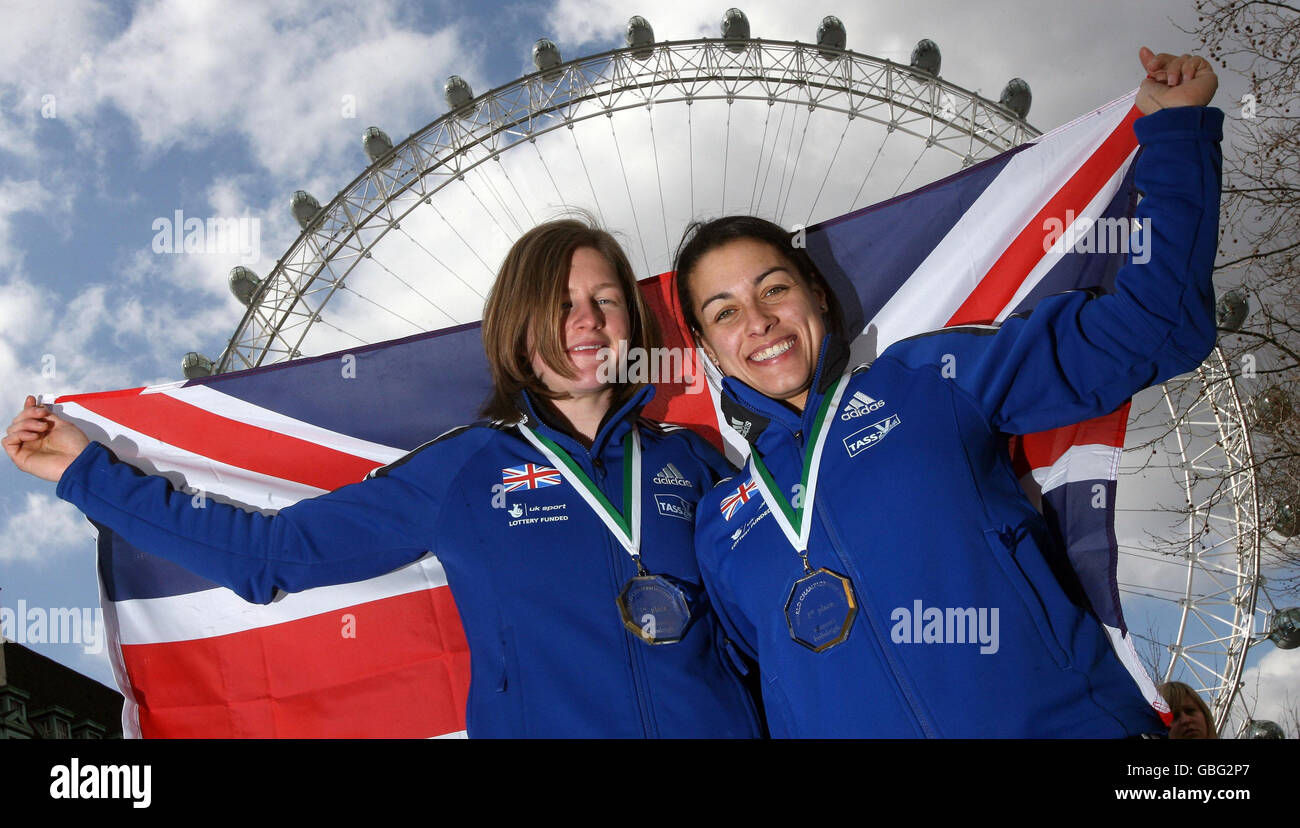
x=564 y=523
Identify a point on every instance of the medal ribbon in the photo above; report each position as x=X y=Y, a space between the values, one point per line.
x=796 y=523
x=624 y=525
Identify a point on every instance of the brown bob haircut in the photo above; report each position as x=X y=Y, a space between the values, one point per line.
x=1176 y=694
x=527 y=297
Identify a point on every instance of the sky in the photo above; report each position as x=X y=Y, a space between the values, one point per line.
x=115 y=117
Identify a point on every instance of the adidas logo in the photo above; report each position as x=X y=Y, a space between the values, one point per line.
x=860 y=405
x=670 y=476
x=741 y=426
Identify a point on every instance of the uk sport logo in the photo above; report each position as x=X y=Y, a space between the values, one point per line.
x=860 y=405
x=529 y=476
x=738 y=498
x=670 y=475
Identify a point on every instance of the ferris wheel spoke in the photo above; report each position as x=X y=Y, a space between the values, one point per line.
x=776 y=141
x=762 y=148
x=414 y=290
x=590 y=186
x=627 y=186
x=418 y=327
x=473 y=250
x=794 y=168
x=908 y=174
x=442 y=264
x=547 y=168
x=826 y=177
x=654 y=146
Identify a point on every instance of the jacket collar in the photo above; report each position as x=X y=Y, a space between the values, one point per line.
x=616 y=423
x=753 y=414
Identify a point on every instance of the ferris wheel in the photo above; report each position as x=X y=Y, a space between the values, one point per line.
x=808 y=132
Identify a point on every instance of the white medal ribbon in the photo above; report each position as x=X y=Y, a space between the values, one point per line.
x=626 y=528
x=786 y=515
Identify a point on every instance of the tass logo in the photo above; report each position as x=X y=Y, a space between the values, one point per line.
x=671 y=505
x=864 y=438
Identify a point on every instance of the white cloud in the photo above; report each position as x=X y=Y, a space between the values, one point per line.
x=44 y=529
x=189 y=73
x=1272 y=689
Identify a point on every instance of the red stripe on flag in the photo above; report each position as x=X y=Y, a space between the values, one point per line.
x=677 y=402
x=228 y=441
x=1006 y=275
x=405 y=674
x=1043 y=449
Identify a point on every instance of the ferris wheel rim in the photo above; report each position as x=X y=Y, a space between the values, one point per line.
x=286 y=301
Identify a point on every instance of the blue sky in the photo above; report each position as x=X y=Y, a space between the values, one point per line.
x=113 y=116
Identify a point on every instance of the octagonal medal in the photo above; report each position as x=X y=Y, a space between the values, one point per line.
x=655 y=608
x=820 y=609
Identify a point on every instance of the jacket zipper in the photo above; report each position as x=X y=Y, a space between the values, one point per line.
x=903 y=683
x=635 y=664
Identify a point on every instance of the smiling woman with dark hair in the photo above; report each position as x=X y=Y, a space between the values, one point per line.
x=878 y=556
x=571 y=563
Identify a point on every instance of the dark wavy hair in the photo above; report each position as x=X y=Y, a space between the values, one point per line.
x=703 y=237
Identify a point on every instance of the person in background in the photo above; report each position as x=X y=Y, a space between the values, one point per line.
x=1192 y=716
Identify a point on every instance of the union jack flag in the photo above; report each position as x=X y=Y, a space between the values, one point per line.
x=193 y=659
x=738 y=498
x=529 y=476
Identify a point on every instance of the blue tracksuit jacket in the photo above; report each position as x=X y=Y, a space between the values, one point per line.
x=535 y=575
x=918 y=502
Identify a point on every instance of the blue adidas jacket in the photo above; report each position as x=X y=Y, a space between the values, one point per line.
x=917 y=500
x=535 y=575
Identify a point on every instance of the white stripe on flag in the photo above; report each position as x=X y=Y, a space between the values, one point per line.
x=219 y=611
x=186 y=470
x=954 y=268
x=1078 y=463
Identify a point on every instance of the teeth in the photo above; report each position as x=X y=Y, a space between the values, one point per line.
x=775 y=351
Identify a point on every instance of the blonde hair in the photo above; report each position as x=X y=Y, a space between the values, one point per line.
x=527 y=298
x=1176 y=694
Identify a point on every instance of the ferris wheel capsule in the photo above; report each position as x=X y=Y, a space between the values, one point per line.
x=376 y=143
x=640 y=34
x=735 y=29
x=457 y=93
x=1263 y=729
x=1286 y=629
x=244 y=284
x=546 y=56
x=1286 y=519
x=926 y=57
x=1231 y=310
x=1016 y=97
x=195 y=365
x=832 y=37
x=304 y=207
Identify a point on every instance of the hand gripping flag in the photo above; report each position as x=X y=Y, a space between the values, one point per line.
x=193 y=659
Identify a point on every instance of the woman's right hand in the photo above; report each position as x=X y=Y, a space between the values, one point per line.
x=42 y=443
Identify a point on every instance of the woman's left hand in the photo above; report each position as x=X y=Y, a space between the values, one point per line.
x=1185 y=80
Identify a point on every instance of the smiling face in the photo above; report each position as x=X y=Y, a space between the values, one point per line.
x=594 y=315
x=760 y=322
